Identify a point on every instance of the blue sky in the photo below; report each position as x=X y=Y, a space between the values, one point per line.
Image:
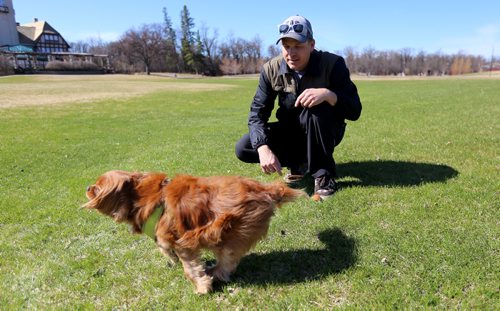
x=446 y=26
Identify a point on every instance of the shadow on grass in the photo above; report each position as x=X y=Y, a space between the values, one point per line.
x=393 y=173
x=294 y=266
x=384 y=173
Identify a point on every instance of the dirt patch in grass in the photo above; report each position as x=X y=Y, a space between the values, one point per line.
x=66 y=89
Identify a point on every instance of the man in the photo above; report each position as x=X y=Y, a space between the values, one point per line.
x=315 y=96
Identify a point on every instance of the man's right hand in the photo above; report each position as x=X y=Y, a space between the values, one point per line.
x=269 y=163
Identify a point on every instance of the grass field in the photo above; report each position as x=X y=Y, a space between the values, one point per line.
x=415 y=225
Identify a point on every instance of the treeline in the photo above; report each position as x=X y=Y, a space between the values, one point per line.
x=158 y=47
x=407 y=62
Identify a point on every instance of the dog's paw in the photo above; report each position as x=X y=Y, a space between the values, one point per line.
x=204 y=285
x=202 y=290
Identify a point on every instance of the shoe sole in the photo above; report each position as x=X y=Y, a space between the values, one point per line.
x=293 y=178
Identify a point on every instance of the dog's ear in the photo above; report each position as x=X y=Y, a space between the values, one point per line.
x=92 y=191
x=109 y=191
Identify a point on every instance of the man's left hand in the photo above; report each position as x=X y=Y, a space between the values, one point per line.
x=312 y=97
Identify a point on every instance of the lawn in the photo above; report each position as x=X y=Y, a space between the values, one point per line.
x=415 y=225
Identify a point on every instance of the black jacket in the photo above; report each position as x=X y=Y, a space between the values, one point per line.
x=324 y=70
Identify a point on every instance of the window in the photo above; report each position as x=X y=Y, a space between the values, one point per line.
x=3 y=7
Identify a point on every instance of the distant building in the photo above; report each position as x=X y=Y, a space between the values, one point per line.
x=37 y=36
x=31 y=46
x=8 y=29
x=41 y=37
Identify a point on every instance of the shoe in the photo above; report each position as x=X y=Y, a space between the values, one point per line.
x=325 y=186
x=290 y=178
x=295 y=174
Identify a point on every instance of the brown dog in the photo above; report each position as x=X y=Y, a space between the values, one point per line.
x=226 y=214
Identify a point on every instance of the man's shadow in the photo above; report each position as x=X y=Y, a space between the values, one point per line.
x=385 y=173
x=293 y=266
x=393 y=173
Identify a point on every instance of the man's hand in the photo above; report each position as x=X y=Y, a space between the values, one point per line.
x=268 y=160
x=312 y=97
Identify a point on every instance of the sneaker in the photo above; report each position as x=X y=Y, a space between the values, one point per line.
x=295 y=174
x=290 y=177
x=325 y=186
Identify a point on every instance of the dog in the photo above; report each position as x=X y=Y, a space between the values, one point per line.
x=227 y=215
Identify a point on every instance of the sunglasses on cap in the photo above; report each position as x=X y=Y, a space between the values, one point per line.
x=298 y=28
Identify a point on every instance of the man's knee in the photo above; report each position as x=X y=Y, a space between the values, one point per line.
x=244 y=151
x=239 y=151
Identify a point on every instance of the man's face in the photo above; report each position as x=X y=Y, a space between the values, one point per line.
x=296 y=54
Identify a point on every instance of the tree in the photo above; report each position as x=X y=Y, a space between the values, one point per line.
x=461 y=64
x=210 y=47
x=171 y=55
x=351 y=58
x=199 y=58
x=406 y=56
x=229 y=66
x=273 y=51
x=79 y=47
x=187 y=40
x=367 y=61
x=144 y=45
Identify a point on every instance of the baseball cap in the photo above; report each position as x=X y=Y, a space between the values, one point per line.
x=296 y=27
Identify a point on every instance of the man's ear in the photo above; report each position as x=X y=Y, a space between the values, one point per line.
x=313 y=44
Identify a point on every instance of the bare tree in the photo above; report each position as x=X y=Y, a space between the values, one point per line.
x=80 y=47
x=405 y=56
x=351 y=58
x=229 y=66
x=367 y=61
x=145 y=45
x=210 y=47
x=273 y=50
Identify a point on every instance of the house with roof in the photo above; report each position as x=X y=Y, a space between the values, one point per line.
x=32 y=46
x=37 y=36
x=40 y=37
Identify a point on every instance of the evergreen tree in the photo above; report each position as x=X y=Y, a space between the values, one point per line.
x=187 y=40
x=199 y=58
x=171 y=55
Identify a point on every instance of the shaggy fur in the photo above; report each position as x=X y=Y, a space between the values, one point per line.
x=226 y=214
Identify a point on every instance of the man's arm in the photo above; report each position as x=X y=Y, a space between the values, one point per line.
x=348 y=103
x=260 y=111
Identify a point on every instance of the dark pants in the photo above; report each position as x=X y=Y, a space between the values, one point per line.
x=312 y=140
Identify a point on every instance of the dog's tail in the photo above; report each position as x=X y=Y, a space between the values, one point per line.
x=280 y=193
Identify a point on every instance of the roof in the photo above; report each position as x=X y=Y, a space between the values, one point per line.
x=29 y=33
x=35 y=29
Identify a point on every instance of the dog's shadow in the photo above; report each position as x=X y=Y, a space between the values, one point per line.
x=385 y=173
x=294 y=266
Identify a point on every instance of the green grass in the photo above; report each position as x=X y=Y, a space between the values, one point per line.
x=416 y=224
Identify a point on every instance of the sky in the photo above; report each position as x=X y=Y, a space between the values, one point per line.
x=431 y=26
